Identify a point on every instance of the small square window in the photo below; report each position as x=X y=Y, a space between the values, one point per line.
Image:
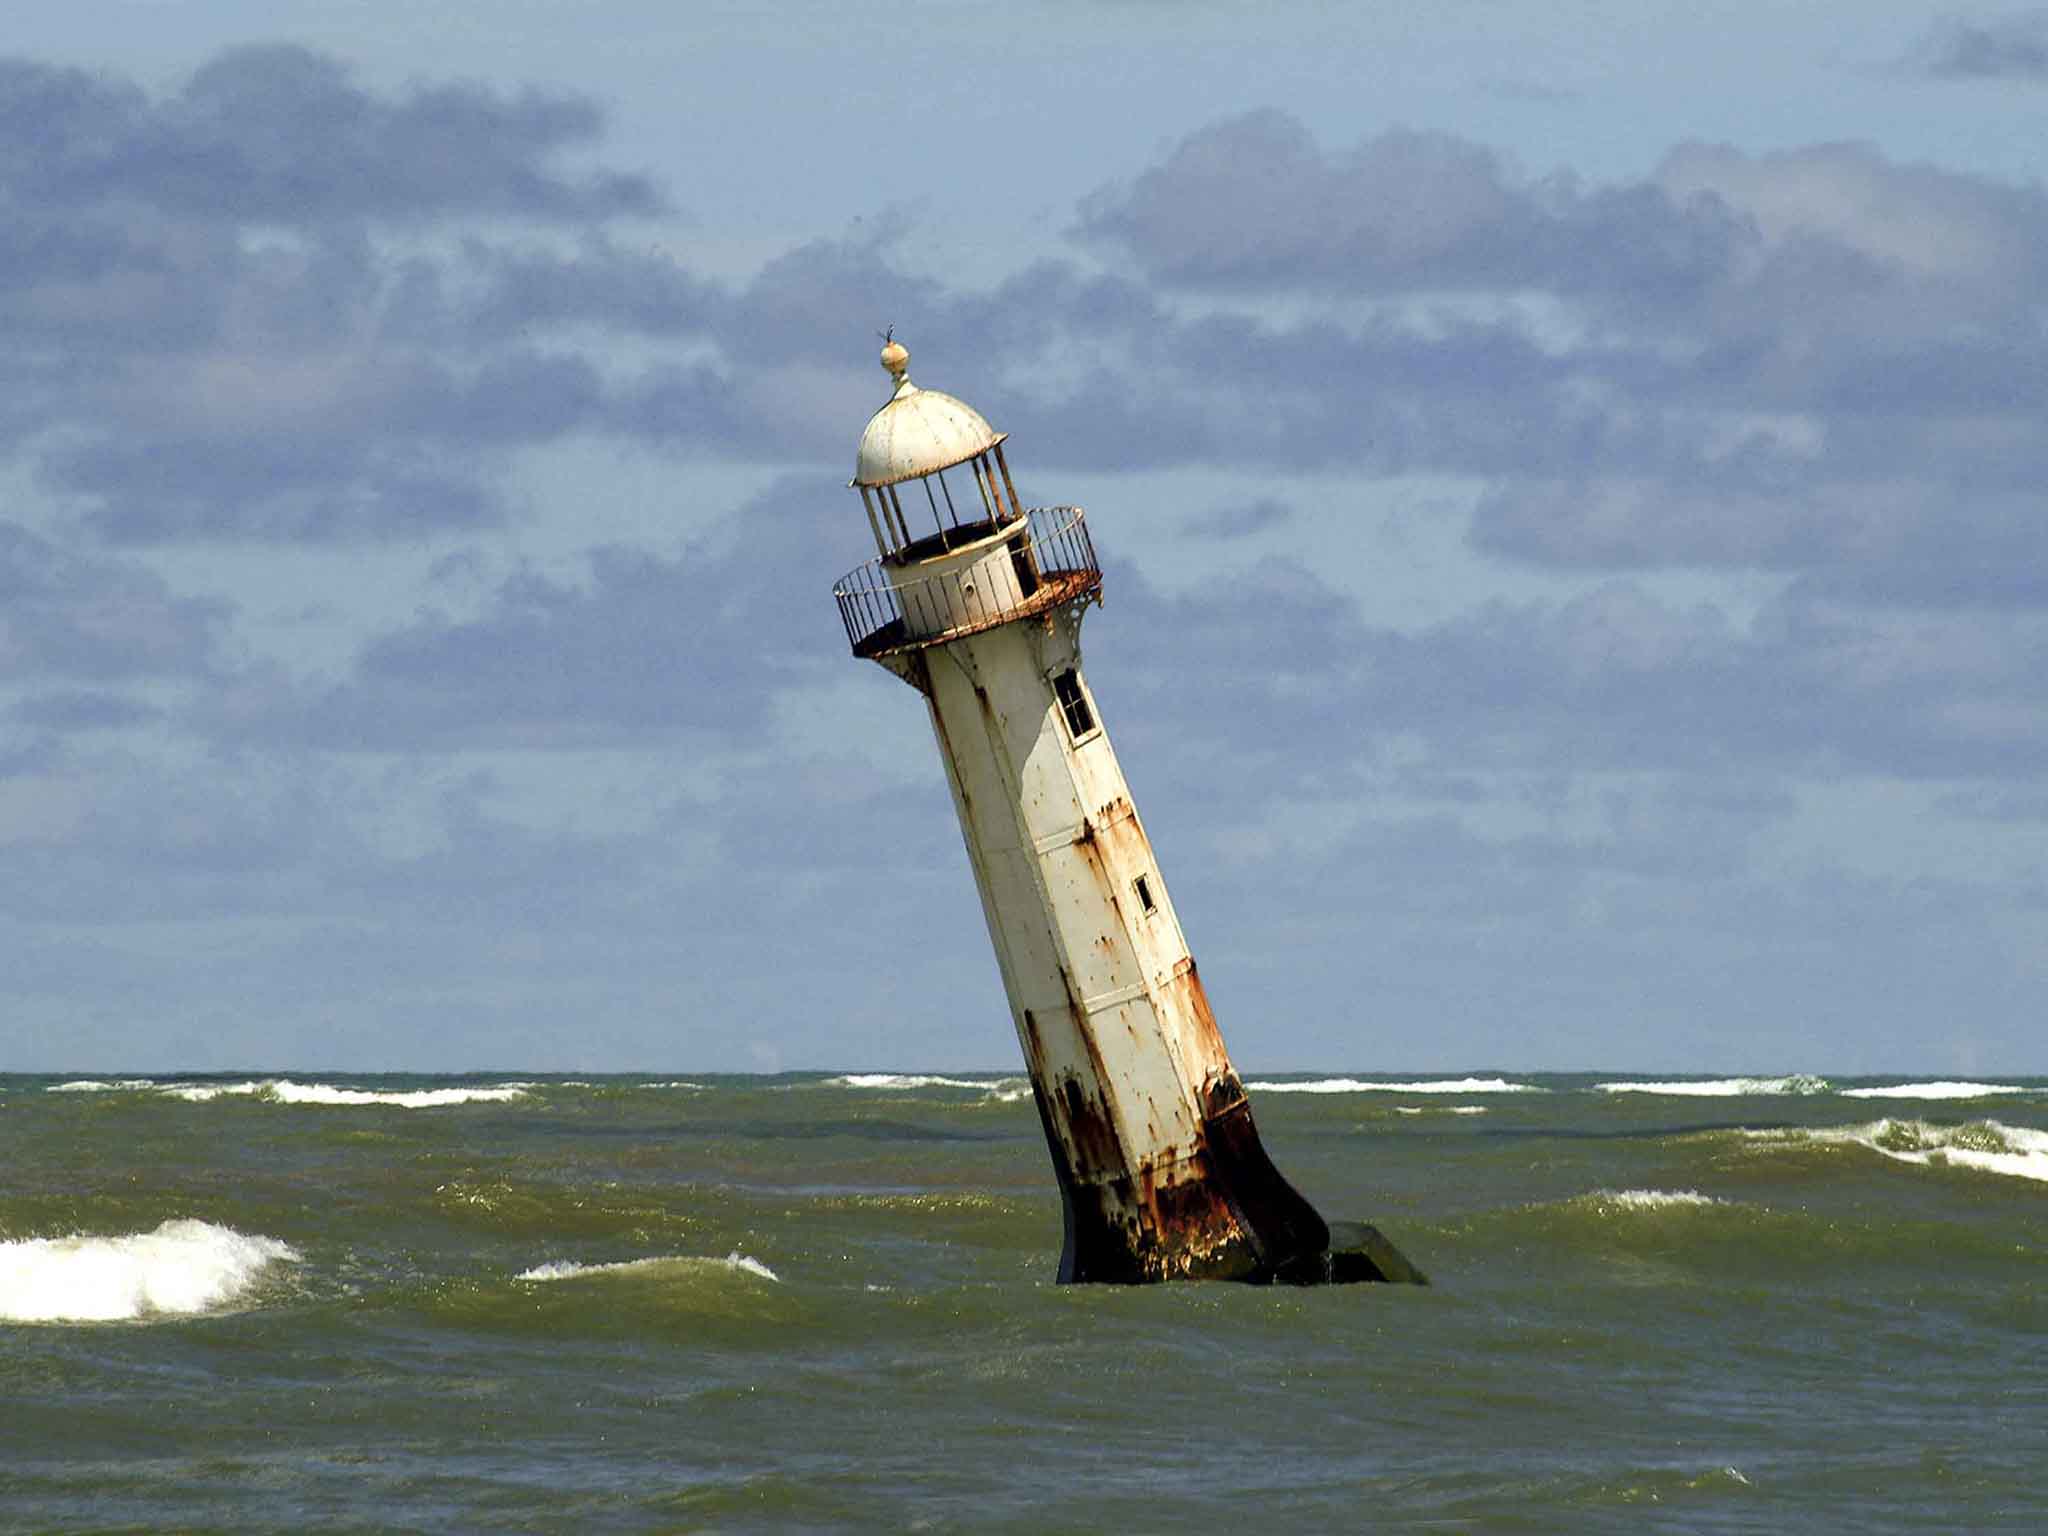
x=1144 y=889
x=1066 y=687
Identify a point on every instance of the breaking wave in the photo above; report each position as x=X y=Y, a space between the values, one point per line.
x=1358 y=1085
x=1647 y=1199
x=1929 y=1092
x=101 y=1085
x=902 y=1080
x=1724 y=1087
x=282 y=1090
x=1442 y=1109
x=183 y=1267
x=1005 y=1090
x=1983 y=1145
x=565 y=1269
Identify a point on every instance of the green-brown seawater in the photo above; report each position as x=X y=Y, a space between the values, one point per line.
x=314 y=1303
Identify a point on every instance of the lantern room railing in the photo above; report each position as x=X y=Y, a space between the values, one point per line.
x=1050 y=562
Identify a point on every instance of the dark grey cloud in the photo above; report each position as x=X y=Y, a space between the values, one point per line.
x=1537 y=812
x=1239 y=520
x=1716 y=236
x=2001 y=803
x=486 y=939
x=1282 y=678
x=644 y=291
x=145 y=493
x=1908 y=542
x=82 y=710
x=261 y=306
x=2013 y=47
x=81 y=617
x=327 y=448
x=1433 y=942
x=1768 y=332
x=1816 y=360
x=1252 y=202
x=276 y=134
x=644 y=648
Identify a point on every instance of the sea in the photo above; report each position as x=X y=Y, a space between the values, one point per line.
x=826 y=1302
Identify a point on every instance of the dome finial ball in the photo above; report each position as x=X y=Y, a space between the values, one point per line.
x=896 y=358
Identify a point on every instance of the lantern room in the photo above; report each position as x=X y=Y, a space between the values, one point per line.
x=929 y=460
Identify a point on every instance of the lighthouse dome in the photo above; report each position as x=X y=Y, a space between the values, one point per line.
x=919 y=431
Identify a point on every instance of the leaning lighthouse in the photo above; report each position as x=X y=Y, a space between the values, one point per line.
x=976 y=602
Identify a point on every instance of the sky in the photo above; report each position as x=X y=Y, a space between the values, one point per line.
x=1569 y=478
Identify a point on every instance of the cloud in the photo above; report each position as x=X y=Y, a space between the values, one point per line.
x=262 y=305
x=1810 y=376
x=1879 y=541
x=81 y=617
x=276 y=134
x=2013 y=47
x=1777 y=330
x=1253 y=202
x=1271 y=676
x=1815 y=361
x=1239 y=520
x=643 y=647
x=81 y=710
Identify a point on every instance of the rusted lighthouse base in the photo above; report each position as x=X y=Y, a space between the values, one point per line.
x=1222 y=1213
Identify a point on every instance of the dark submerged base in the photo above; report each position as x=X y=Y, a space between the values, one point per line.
x=1361 y=1252
x=1239 y=1220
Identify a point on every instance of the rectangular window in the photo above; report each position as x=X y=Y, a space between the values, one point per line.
x=1144 y=889
x=1066 y=687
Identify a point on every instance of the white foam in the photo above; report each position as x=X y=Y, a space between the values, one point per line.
x=1725 y=1087
x=1004 y=1090
x=568 y=1269
x=1356 y=1085
x=282 y=1090
x=1651 y=1199
x=2015 y=1152
x=673 y=1083
x=1440 y=1109
x=903 y=1080
x=182 y=1267
x=97 y=1085
x=1932 y=1091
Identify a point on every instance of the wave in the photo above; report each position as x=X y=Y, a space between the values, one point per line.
x=1983 y=1145
x=1646 y=1199
x=1636 y=1225
x=101 y=1085
x=183 y=1267
x=282 y=1090
x=1933 y=1091
x=903 y=1080
x=566 y=1269
x=1357 y=1085
x=1440 y=1109
x=1003 y=1090
x=1799 y=1085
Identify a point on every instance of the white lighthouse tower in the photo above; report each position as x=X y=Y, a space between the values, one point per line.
x=977 y=601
